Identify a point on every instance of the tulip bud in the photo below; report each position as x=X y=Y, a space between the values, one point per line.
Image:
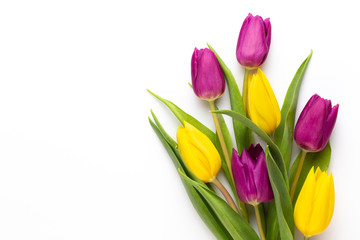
x=198 y=152
x=263 y=108
x=315 y=124
x=254 y=41
x=251 y=176
x=207 y=77
x=315 y=205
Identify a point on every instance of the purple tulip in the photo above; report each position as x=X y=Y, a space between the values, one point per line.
x=254 y=41
x=315 y=124
x=251 y=176
x=207 y=77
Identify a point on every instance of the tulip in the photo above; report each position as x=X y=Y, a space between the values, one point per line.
x=198 y=152
x=315 y=204
x=315 y=124
x=207 y=77
x=201 y=157
x=262 y=106
x=254 y=41
x=251 y=176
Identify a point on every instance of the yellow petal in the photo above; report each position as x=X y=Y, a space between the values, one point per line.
x=315 y=205
x=263 y=108
x=323 y=204
x=304 y=204
x=198 y=152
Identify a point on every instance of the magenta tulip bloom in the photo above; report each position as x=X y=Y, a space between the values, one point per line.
x=254 y=41
x=251 y=176
x=208 y=80
x=315 y=124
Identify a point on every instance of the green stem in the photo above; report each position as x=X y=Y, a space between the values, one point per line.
x=297 y=175
x=306 y=238
x=221 y=138
x=245 y=89
x=226 y=194
x=258 y=220
x=242 y=205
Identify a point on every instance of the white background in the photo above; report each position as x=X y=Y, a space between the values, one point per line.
x=78 y=159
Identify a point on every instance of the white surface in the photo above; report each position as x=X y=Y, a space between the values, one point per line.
x=78 y=159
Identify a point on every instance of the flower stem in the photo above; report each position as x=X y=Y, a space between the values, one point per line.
x=221 y=138
x=297 y=175
x=245 y=89
x=306 y=238
x=242 y=205
x=226 y=194
x=258 y=220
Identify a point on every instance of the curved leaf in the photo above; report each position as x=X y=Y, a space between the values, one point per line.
x=236 y=102
x=272 y=226
x=284 y=132
x=204 y=210
x=284 y=210
x=183 y=116
x=237 y=227
x=252 y=126
x=316 y=159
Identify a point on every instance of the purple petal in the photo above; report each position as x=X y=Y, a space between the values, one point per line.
x=194 y=62
x=253 y=42
x=330 y=123
x=268 y=31
x=310 y=126
x=207 y=77
x=262 y=181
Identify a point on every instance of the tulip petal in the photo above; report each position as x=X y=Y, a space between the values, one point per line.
x=330 y=123
x=198 y=152
x=268 y=32
x=262 y=181
x=309 y=129
x=263 y=108
x=253 y=42
x=304 y=204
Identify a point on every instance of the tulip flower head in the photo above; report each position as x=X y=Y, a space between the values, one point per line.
x=315 y=124
x=315 y=205
x=251 y=176
x=263 y=108
x=198 y=152
x=254 y=41
x=208 y=80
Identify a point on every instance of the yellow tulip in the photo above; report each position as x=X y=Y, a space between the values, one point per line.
x=263 y=108
x=198 y=152
x=315 y=205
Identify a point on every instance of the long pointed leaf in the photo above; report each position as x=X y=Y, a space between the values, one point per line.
x=282 y=200
x=204 y=210
x=252 y=126
x=236 y=102
x=183 y=116
x=238 y=228
x=284 y=133
x=175 y=149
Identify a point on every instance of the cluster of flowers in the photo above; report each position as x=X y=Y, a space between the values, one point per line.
x=249 y=171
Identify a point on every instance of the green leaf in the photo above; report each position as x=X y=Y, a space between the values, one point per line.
x=284 y=210
x=237 y=227
x=272 y=225
x=200 y=204
x=316 y=159
x=252 y=126
x=183 y=116
x=175 y=149
x=284 y=133
x=236 y=102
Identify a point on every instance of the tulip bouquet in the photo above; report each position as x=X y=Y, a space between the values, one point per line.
x=284 y=192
